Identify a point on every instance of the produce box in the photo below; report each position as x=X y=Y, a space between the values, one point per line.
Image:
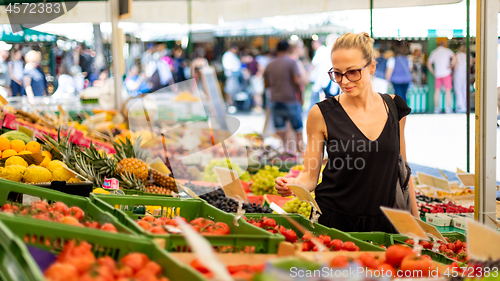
x=52 y=237
x=438 y=219
x=16 y=263
x=316 y=229
x=386 y=239
x=25 y=194
x=244 y=237
x=80 y=188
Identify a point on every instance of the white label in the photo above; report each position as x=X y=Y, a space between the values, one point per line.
x=28 y=199
x=277 y=208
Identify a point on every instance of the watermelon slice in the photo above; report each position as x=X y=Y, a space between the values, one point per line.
x=277 y=199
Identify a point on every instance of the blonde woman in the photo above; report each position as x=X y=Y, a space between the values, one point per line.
x=33 y=79
x=361 y=137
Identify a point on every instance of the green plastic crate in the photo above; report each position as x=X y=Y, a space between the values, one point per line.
x=13 y=190
x=115 y=245
x=455 y=235
x=241 y=239
x=16 y=262
x=317 y=230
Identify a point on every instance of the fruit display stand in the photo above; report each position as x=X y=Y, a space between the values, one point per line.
x=242 y=237
x=23 y=193
x=316 y=229
x=16 y=263
x=386 y=239
x=52 y=237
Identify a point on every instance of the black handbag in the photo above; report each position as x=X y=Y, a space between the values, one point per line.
x=402 y=198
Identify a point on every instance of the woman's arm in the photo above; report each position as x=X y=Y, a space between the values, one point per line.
x=313 y=158
x=388 y=73
x=27 y=87
x=402 y=145
x=11 y=71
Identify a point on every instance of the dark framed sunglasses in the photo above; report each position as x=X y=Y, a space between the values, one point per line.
x=353 y=75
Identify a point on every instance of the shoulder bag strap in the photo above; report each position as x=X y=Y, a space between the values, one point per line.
x=392 y=109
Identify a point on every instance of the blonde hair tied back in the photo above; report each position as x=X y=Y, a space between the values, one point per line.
x=361 y=41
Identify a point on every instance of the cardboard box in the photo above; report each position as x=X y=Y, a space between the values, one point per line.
x=438 y=219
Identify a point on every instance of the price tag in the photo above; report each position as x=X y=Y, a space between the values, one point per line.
x=460 y=171
x=443 y=174
x=231 y=184
x=405 y=223
x=429 y=229
x=277 y=209
x=483 y=242
x=28 y=199
x=467 y=179
x=204 y=251
x=304 y=195
x=158 y=165
x=434 y=181
x=27 y=131
x=32 y=159
x=187 y=190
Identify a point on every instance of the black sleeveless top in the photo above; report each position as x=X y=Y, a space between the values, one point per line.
x=360 y=175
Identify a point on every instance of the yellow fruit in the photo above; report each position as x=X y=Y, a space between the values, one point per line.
x=134 y=166
x=74 y=180
x=16 y=160
x=45 y=162
x=37 y=174
x=17 y=145
x=47 y=154
x=61 y=174
x=100 y=191
x=24 y=152
x=55 y=164
x=4 y=143
x=33 y=146
x=13 y=173
x=8 y=152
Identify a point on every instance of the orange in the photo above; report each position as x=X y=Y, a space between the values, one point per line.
x=47 y=155
x=24 y=152
x=4 y=143
x=8 y=153
x=17 y=145
x=33 y=146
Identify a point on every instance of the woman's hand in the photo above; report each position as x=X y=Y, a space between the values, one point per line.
x=281 y=185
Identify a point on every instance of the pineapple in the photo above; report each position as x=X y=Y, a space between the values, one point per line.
x=129 y=160
x=130 y=181
x=163 y=180
x=158 y=190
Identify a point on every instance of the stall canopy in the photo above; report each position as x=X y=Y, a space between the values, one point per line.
x=27 y=35
x=215 y=11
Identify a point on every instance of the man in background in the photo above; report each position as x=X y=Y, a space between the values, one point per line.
x=232 y=71
x=443 y=59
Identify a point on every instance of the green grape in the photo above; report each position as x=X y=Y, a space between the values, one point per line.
x=210 y=176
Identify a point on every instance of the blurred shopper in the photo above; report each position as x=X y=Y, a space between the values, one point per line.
x=198 y=63
x=33 y=79
x=418 y=66
x=87 y=64
x=443 y=60
x=232 y=71
x=380 y=84
x=282 y=76
x=65 y=84
x=158 y=73
x=296 y=53
x=147 y=56
x=136 y=82
x=179 y=63
x=398 y=72
x=4 y=71
x=16 y=69
x=460 y=80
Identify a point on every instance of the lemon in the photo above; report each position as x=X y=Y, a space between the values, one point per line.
x=16 y=160
x=45 y=162
x=13 y=173
x=61 y=174
x=47 y=154
x=37 y=174
x=100 y=191
x=55 y=164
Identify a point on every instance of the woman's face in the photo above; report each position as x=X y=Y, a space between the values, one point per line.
x=351 y=59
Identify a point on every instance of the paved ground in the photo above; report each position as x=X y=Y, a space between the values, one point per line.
x=433 y=141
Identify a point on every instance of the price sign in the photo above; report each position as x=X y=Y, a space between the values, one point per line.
x=482 y=242
x=277 y=209
x=434 y=181
x=467 y=179
x=158 y=165
x=304 y=195
x=230 y=182
x=429 y=229
x=405 y=223
x=27 y=131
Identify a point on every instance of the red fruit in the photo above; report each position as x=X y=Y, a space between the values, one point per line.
x=349 y=246
x=136 y=261
x=451 y=246
x=442 y=248
x=75 y=212
x=336 y=245
x=223 y=226
x=269 y=223
x=158 y=230
x=60 y=207
x=257 y=224
x=339 y=261
x=418 y=266
x=458 y=245
x=383 y=247
x=369 y=260
x=290 y=236
x=109 y=228
x=148 y=218
x=410 y=241
x=92 y=224
x=306 y=246
x=281 y=229
x=196 y=264
x=426 y=256
x=396 y=253
x=424 y=244
x=6 y=207
x=326 y=239
x=386 y=268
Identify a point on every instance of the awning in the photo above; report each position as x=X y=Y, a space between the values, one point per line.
x=27 y=35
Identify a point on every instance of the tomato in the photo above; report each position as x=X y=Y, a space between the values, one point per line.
x=236 y=268
x=223 y=226
x=202 y=222
x=396 y=253
x=59 y=207
x=458 y=245
x=272 y=230
x=151 y=268
x=80 y=256
x=281 y=229
x=136 y=261
x=158 y=230
x=369 y=260
x=442 y=248
x=6 y=207
x=196 y=264
x=290 y=236
x=75 y=212
x=148 y=218
x=306 y=246
x=269 y=223
x=108 y=262
x=307 y=237
x=44 y=217
x=39 y=207
x=56 y=216
x=257 y=224
x=326 y=239
x=124 y=271
x=258 y=268
x=92 y=224
x=383 y=247
x=336 y=245
x=145 y=225
x=385 y=268
x=349 y=246
x=424 y=244
x=426 y=256
x=109 y=228
x=62 y=272
x=339 y=261
x=68 y=220
x=196 y=228
x=410 y=241
x=418 y=266
x=451 y=246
